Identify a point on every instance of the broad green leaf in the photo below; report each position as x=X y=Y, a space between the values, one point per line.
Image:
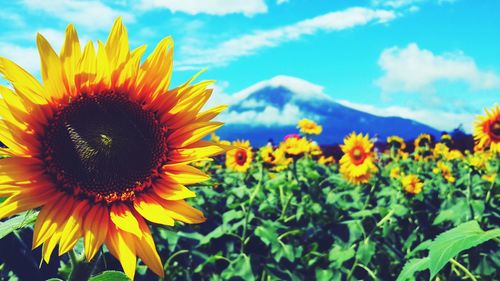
x=110 y=276
x=411 y=267
x=339 y=255
x=17 y=222
x=366 y=250
x=241 y=267
x=450 y=243
x=324 y=274
x=454 y=214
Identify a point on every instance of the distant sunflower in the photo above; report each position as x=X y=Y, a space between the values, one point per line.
x=356 y=165
x=309 y=127
x=396 y=142
x=445 y=170
x=487 y=130
x=274 y=158
x=446 y=139
x=102 y=146
x=412 y=184
x=423 y=140
x=240 y=158
x=295 y=147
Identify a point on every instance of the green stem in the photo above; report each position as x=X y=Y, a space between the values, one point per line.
x=81 y=269
x=469 y=194
x=247 y=212
x=464 y=269
x=180 y=252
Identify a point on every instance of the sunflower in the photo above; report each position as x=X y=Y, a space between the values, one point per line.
x=274 y=158
x=309 y=127
x=395 y=172
x=440 y=151
x=326 y=160
x=412 y=184
x=315 y=149
x=240 y=158
x=445 y=170
x=102 y=146
x=295 y=147
x=356 y=165
x=487 y=130
x=396 y=143
x=446 y=139
x=422 y=141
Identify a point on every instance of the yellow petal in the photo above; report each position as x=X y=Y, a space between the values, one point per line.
x=146 y=250
x=51 y=69
x=182 y=211
x=211 y=113
x=24 y=83
x=192 y=133
x=26 y=200
x=70 y=56
x=123 y=218
x=72 y=230
x=87 y=67
x=184 y=174
x=156 y=71
x=95 y=228
x=121 y=245
x=171 y=190
x=151 y=210
x=194 y=152
x=117 y=47
x=52 y=216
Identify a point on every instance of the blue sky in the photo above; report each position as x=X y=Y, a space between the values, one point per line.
x=436 y=61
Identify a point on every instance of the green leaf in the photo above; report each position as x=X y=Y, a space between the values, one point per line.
x=411 y=267
x=366 y=250
x=450 y=243
x=110 y=276
x=17 y=222
x=241 y=267
x=339 y=255
x=454 y=214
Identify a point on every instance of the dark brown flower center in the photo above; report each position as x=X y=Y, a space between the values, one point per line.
x=241 y=157
x=495 y=130
x=104 y=146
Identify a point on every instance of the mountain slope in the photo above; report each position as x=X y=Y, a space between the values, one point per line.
x=271 y=109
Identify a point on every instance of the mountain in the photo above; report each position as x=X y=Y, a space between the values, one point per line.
x=270 y=110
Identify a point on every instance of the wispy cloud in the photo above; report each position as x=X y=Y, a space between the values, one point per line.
x=211 y=7
x=441 y=120
x=249 y=44
x=406 y=3
x=26 y=57
x=411 y=69
x=93 y=15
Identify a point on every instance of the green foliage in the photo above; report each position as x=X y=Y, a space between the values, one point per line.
x=17 y=222
x=446 y=246
x=110 y=276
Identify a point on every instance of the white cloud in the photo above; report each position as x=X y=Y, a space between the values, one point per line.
x=11 y=18
x=441 y=120
x=92 y=15
x=301 y=88
x=249 y=44
x=412 y=69
x=279 y=2
x=404 y=3
x=212 y=7
x=270 y=116
x=26 y=57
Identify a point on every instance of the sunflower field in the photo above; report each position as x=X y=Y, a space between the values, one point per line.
x=113 y=205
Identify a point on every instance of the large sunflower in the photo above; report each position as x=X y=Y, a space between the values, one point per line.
x=487 y=130
x=102 y=146
x=356 y=165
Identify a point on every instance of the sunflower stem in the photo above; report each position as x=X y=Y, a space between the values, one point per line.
x=81 y=269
